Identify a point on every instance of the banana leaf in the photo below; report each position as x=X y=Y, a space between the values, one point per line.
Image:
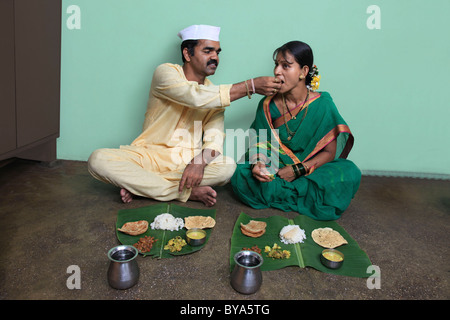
x=149 y=213
x=306 y=254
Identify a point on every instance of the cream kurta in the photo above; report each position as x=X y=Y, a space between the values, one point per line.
x=182 y=118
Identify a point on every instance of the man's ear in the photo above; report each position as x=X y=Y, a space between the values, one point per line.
x=186 y=55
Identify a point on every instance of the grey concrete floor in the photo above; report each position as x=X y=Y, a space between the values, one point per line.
x=54 y=217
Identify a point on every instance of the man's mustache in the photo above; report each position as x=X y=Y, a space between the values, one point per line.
x=213 y=61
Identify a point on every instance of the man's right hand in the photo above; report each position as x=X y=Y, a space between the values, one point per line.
x=267 y=86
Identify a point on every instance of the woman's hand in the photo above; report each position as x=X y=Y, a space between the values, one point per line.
x=286 y=173
x=261 y=173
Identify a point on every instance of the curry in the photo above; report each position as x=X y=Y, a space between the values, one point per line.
x=333 y=256
x=196 y=235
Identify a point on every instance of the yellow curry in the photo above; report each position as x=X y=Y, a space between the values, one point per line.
x=332 y=256
x=196 y=235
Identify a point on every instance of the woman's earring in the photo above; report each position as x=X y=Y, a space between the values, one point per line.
x=301 y=77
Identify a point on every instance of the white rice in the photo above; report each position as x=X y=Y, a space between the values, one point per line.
x=166 y=221
x=298 y=235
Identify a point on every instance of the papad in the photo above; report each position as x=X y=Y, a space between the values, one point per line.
x=200 y=222
x=328 y=238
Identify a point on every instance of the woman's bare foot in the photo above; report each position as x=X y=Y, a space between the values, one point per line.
x=205 y=194
x=126 y=195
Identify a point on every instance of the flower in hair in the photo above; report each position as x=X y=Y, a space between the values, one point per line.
x=315 y=82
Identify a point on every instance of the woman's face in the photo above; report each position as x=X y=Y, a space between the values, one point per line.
x=288 y=71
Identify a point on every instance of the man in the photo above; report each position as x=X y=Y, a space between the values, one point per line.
x=178 y=156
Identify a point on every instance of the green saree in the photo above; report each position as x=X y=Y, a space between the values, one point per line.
x=323 y=194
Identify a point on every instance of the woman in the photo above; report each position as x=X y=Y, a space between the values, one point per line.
x=303 y=168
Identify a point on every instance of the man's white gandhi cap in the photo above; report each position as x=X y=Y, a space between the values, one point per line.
x=200 y=31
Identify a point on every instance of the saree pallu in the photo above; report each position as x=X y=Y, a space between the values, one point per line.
x=323 y=194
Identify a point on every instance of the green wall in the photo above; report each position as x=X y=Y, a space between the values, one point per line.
x=388 y=83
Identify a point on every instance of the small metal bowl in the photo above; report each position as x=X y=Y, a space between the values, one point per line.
x=330 y=263
x=196 y=237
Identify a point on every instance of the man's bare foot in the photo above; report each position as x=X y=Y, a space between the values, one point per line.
x=205 y=194
x=126 y=195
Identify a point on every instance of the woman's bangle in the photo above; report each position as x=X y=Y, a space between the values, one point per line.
x=301 y=168
x=296 y=172
x=253 y=86
x=306 y=167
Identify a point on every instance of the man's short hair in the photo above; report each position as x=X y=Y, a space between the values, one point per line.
x=190 y=45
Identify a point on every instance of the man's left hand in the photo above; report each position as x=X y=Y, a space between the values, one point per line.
x=193 y=173
x=192 y=176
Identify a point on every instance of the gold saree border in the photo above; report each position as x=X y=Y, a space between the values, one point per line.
x=269 y=120
x=278 y=122
x=332 y=135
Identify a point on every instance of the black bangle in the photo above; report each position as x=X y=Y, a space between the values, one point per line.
x=296 y=173
x=301 y=169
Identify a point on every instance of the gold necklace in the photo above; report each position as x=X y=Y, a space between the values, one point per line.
x=305 y=106
x=289 y=109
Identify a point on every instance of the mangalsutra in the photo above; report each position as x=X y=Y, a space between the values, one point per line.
x=305 y=106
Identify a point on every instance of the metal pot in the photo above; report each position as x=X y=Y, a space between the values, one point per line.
x=246 y=277
x=123 y=271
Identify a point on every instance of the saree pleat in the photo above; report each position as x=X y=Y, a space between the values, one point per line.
x=325 y=193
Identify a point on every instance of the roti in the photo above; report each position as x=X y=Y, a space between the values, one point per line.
x=328 y=238
x=254 y=226
x=252 y=234
x=200 y=222
x=134 y=228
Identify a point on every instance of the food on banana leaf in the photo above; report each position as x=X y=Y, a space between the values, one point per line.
x=145 y=244
x=196 y=235
x=199 y=222
x=254 y=248
x=291 y=234
x=254 y=228
x=166 y=221
x=134 y=228
x=175 y=244
x=333 y=256
x=328 y=238
x=276 y=252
